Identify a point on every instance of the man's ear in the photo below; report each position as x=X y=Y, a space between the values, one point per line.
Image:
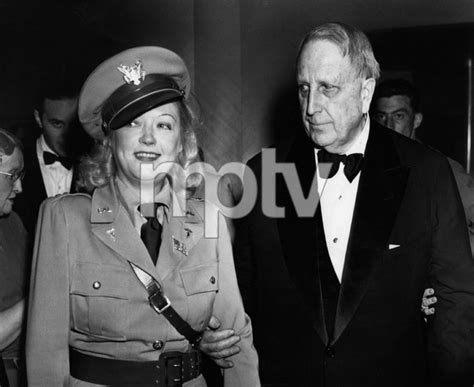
x=417 y=120
x=38 y=118
x=367 y=92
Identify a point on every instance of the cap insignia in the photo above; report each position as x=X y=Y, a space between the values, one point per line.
x=133 y=74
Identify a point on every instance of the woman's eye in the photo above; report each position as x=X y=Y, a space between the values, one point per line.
x=164 y=125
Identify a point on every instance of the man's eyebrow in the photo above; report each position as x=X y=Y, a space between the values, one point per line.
x=404 y=110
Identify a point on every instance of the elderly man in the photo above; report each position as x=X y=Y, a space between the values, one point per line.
x=334 y=294
x=396 y=105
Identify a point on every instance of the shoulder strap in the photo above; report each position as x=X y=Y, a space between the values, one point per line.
x=162 y=305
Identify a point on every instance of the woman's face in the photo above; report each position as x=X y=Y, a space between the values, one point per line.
x=9 y=188
x=146 y=143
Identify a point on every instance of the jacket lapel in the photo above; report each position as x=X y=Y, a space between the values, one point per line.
x=111 y=223
x=381 y=188
x=298 y=235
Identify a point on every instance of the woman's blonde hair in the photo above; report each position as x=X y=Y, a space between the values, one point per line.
x=97 y=168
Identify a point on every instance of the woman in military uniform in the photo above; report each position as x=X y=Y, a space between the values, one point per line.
x=121 y=287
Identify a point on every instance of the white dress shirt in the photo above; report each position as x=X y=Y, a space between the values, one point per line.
x=337 y=200
x=56 y=178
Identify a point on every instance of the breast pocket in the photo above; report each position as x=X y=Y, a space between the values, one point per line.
x=100 y=301
x=201 y=283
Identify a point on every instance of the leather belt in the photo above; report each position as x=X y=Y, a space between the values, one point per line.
x=171 y=370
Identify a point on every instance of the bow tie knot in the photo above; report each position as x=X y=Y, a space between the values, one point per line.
x=352 y=163
x=50 y=158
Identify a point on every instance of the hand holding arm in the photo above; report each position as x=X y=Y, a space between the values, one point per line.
x=219 y=344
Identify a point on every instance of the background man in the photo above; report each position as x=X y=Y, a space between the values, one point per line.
x=49 y=159
x=396 y=106
x=334 y=295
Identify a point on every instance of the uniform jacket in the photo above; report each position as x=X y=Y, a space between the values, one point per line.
x=408 y=231
x=84 y=294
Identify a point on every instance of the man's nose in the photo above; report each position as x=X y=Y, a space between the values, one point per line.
x=147 y=137
x=390 y=123
x=314 y=103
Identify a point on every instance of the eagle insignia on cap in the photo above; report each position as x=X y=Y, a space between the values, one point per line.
x=133 y=74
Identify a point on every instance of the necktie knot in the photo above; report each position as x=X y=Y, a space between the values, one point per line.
x=50 y=158
x=352 y=163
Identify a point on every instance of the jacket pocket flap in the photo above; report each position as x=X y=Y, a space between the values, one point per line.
x=200 y=279
x=93 y=280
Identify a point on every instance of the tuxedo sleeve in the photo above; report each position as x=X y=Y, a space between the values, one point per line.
x=451 y=273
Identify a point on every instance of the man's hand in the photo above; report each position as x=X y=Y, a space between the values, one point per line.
x=219 y=344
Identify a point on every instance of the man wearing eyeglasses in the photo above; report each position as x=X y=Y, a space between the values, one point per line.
x=13 y=263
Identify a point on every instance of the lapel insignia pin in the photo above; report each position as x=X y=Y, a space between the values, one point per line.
x=133 y=74
x=111 y=233
x=180 y=246
x=101 y=210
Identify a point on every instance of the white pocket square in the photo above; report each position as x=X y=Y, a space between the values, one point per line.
x=391 y=247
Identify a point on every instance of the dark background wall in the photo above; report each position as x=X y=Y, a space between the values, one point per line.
x=240 y=53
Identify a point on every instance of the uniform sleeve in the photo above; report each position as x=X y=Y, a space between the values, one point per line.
x=451 y=331
x=229 y=309
x=47 y=341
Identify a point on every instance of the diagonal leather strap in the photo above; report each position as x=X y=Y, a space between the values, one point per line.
x=162 y=305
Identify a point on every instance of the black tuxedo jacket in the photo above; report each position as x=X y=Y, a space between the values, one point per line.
x=27 y=204
x=407 y=197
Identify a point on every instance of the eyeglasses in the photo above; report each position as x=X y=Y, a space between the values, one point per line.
x=13 y=177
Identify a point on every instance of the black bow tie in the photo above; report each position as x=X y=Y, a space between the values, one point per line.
x=352 y=163
x=50 y=158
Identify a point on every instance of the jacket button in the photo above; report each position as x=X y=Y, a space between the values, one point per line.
x=96 y=285
x=330 y=352
x=157 y=345
x=212 y=280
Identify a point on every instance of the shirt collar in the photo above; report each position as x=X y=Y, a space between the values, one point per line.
x=359 y=144
x=361 y=141
x=44 y=147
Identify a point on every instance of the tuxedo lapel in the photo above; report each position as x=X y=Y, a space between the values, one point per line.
x=381 y=188
x=36 y=178
x=298 y=234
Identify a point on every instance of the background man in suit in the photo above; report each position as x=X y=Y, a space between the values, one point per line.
x=334 y=295
x=49 y=158
x=396 y=106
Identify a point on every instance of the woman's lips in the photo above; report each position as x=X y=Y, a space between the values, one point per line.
x=147 y=156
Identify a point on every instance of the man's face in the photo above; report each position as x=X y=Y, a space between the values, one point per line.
x=56 y=121
x=333 y=100
x=396 y=113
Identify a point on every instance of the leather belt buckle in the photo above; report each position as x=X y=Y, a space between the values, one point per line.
x=159 y=302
